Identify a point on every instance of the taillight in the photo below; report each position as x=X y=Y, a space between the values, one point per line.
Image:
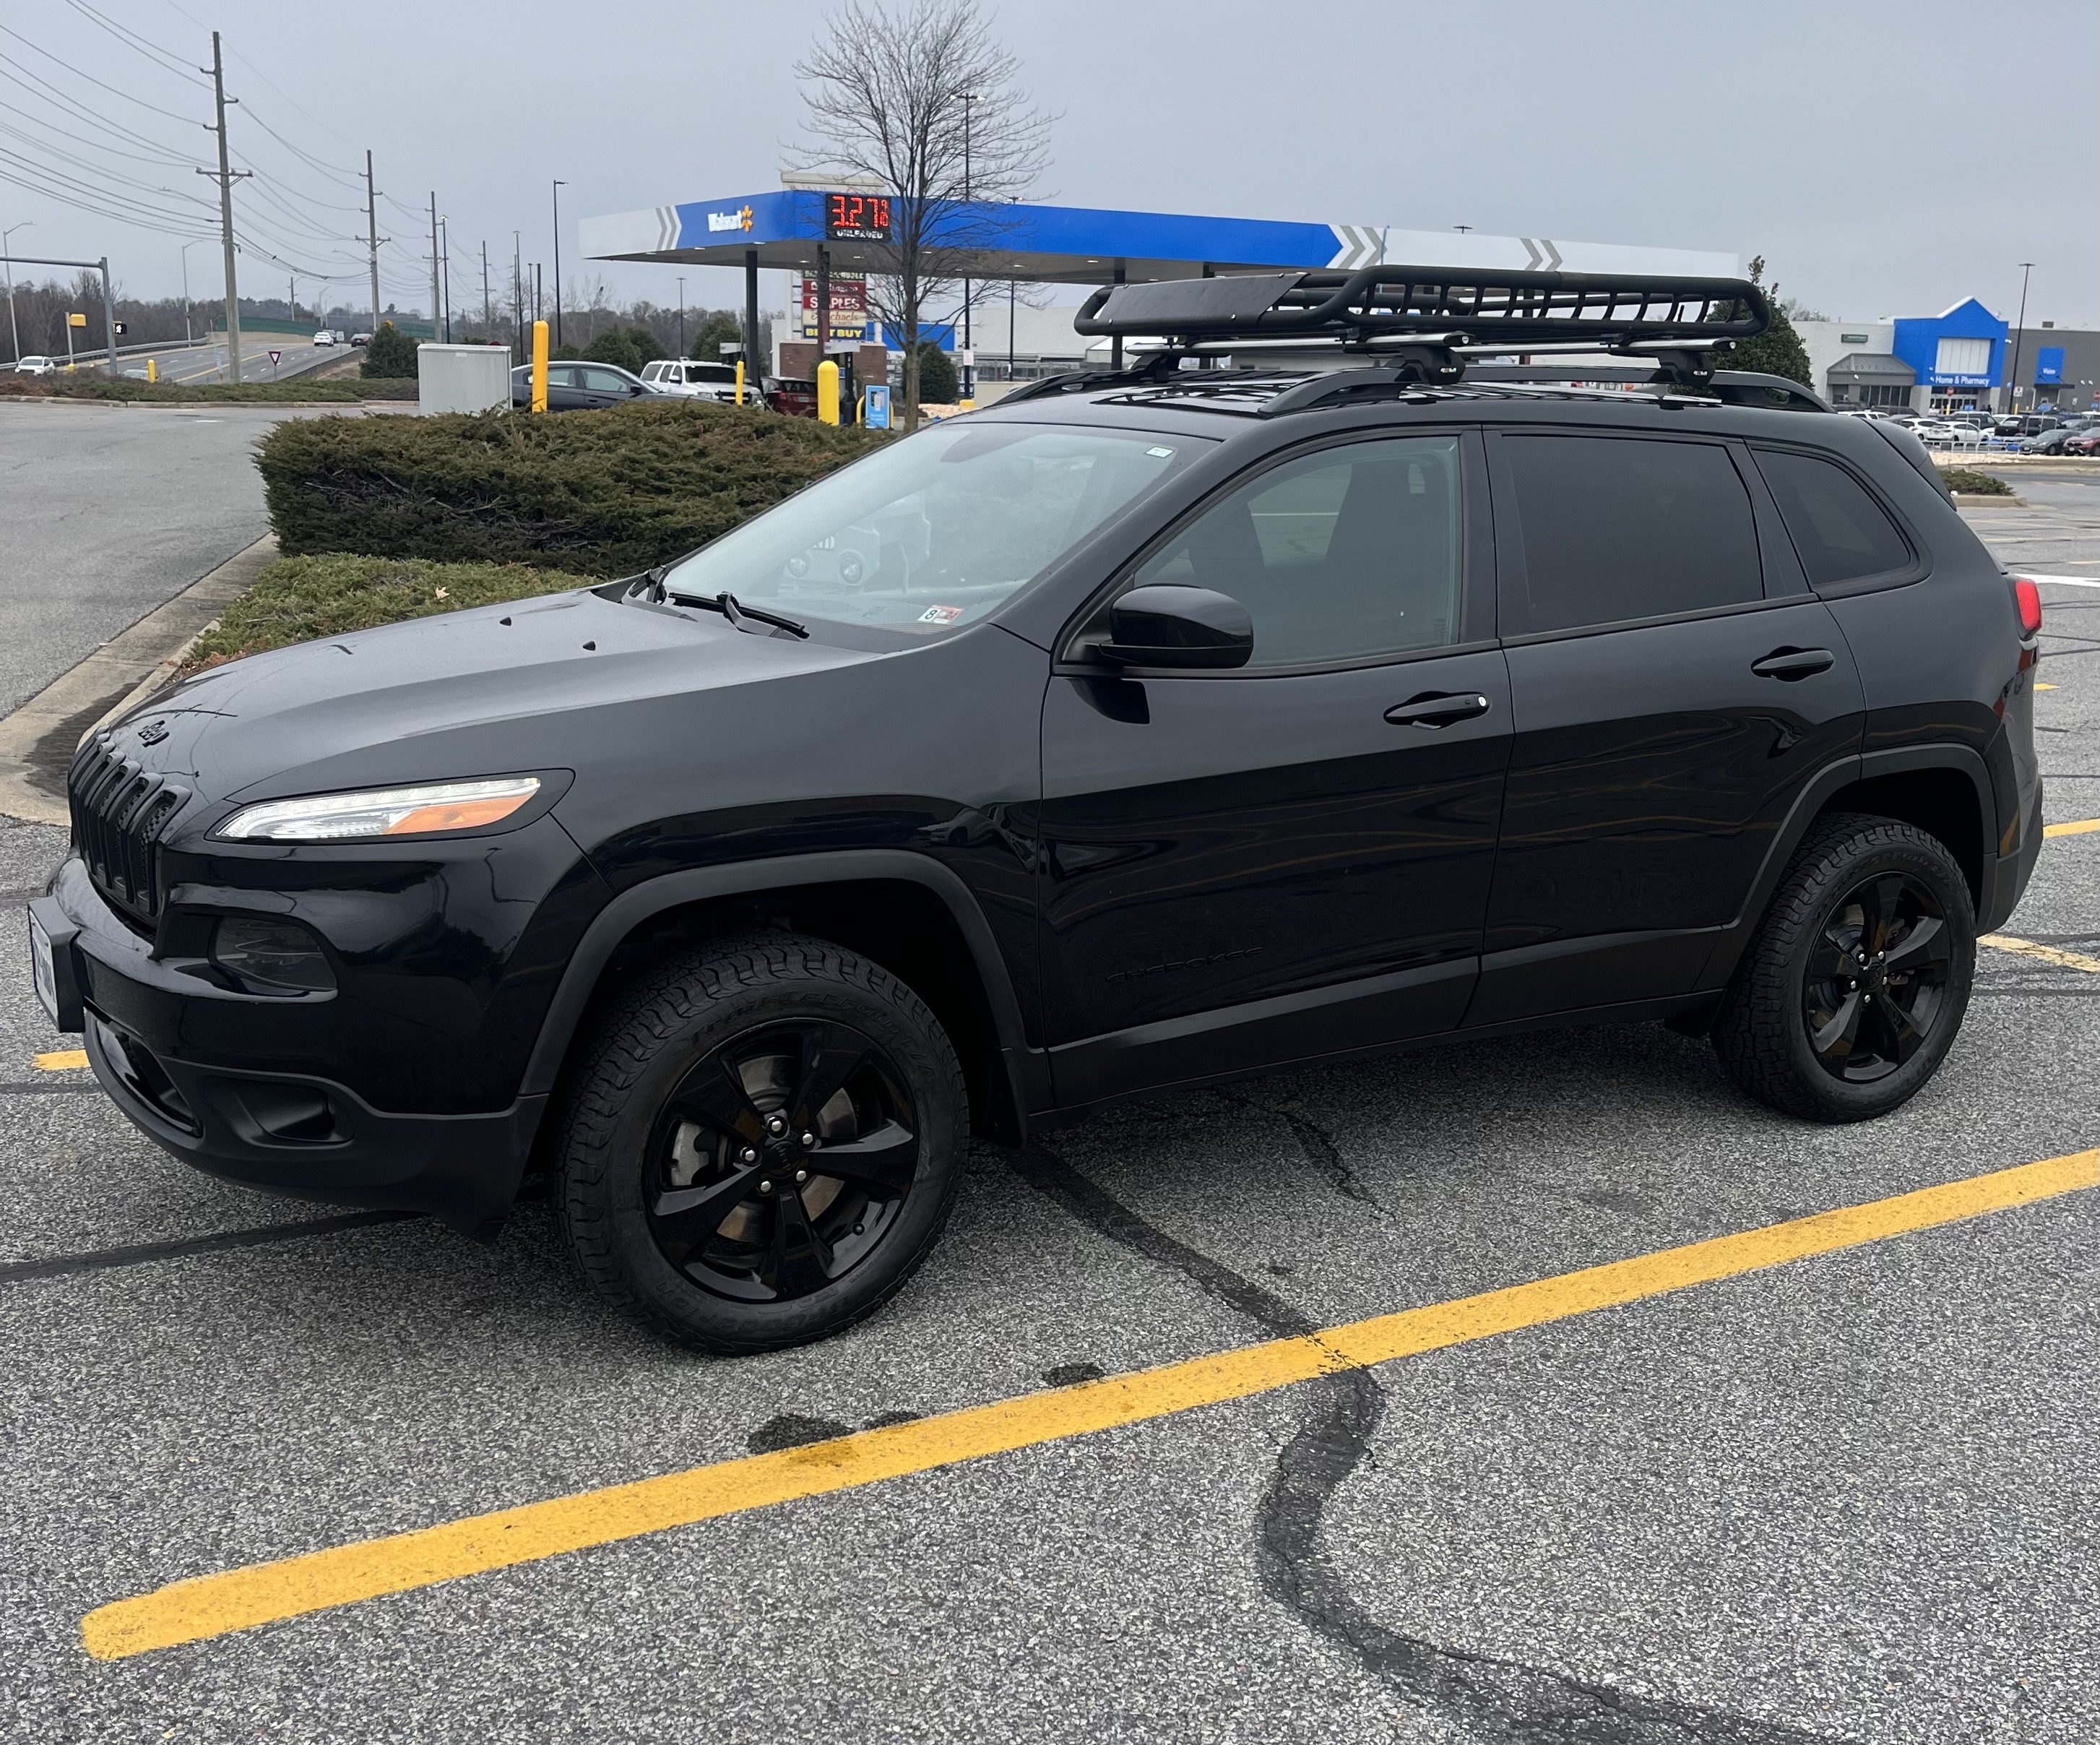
x=2028 y=598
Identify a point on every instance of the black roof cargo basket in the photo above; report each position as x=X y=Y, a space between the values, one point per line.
x=1444 y=307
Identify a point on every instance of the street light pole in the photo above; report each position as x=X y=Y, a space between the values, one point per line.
x=682 y=314
x=14 y=334
x=185 y=253
x=967 y=388
x=2019 y=333
x=558 y=187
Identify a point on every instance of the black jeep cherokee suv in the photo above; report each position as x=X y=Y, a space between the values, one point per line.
x=1143 y=730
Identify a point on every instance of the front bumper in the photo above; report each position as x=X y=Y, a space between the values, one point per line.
x=298 y=1133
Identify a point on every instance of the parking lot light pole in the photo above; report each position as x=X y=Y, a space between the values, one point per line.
x=2019 y=333
x=14 y=334
x=558 y=187
x=185 y=253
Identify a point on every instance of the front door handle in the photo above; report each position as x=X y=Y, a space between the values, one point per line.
x=1437 y=709
x=1789 y=664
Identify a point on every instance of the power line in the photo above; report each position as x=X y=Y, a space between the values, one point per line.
x=113 y=90
x=164 y=59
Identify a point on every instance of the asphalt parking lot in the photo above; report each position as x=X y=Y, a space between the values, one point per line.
x=1852 y=1496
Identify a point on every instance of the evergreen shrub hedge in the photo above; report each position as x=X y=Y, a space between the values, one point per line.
x=600 y=493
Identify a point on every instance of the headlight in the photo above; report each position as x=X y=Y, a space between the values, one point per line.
x=382 y=812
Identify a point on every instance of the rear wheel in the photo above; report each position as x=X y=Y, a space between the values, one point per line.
x=1852 y=993
x=761 y=1145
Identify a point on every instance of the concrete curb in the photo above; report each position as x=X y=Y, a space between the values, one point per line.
x=37 y=741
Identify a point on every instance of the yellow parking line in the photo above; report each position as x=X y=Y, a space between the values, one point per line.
x=241 y=1599
x=2039 y=686
x=2001 y=942
x=62 y=1060
x=2081 y=827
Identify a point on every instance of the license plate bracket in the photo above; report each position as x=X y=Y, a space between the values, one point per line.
x=54 y=964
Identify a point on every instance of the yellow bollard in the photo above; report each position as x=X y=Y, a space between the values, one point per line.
x=152 y=369
x=740 y=382
x=539 y=366
x=827 y=392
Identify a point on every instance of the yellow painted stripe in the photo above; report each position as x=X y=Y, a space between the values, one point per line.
x=63 y=1060
x=2079 y=826
x=241 y=1599
x=2039 y=686
x=2003 y=942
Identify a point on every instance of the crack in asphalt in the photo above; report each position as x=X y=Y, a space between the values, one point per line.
x=1317 y=1143
x=1502 y=1701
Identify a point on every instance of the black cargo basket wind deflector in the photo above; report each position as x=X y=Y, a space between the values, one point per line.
x=1450 y=305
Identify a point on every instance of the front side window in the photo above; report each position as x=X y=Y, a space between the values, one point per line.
x=1839 y=531
x=933 y=532
x=1349 y=554
x=1622 y=528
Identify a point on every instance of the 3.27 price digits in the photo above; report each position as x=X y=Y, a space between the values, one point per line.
x=858 y=217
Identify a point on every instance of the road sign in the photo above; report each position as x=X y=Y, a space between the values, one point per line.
x=275 y=356
x=76 y=320
x=875 y=414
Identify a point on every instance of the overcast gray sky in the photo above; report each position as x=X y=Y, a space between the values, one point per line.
x=1884 y=158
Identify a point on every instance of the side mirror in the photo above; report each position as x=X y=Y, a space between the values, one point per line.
x=1167 y=624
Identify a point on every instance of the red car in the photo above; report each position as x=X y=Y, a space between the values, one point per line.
x=2085 y=442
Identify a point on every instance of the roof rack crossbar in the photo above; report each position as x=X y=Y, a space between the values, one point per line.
x=1463 y=306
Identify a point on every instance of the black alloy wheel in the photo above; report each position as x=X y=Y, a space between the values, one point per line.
x=759 y=1143
x=1854 y=985
x=782 y=1160
x=1877 y=978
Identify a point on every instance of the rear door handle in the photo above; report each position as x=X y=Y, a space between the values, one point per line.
x=1437 y=709
x=1794 y=663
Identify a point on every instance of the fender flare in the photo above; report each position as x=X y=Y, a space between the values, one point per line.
x=1734 y=938
x=1026 y=1070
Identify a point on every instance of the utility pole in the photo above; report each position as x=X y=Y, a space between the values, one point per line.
x=293 y=281
x=2019 y=333
x=558 y=187
x=434 y=263
x=488 y=312
x=517 y=293
x=445 y=254
x=226 y=176
x=108 y=317
x=372 y=237
x=184 y=252
x=682 y=314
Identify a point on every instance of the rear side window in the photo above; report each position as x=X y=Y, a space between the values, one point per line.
x=1349 y=554
x=1839 y=531
x=1620 y=527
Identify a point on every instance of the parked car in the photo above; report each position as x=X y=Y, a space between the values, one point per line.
x=580 y=387
x=360 y=339
x=35 y=366
x=2053 y=442
x=695 y=379
x=2086 y=441
x=796 y=398
x=1935 y=433
x=2026 y=424
x=1174 y=727
x=325 y=337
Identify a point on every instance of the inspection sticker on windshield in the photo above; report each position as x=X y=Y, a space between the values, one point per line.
x=941 y=614
x=1161 y=454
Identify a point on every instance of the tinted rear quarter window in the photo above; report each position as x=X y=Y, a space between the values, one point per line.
x=1839 y=531
x=1621 y=527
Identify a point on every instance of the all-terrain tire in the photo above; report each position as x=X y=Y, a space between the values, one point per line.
x=642 y=1048
x=1762 y=1030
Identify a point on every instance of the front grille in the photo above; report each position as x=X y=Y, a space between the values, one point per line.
x=119 y=810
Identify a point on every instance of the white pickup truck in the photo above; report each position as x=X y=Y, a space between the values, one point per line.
x=698 y=381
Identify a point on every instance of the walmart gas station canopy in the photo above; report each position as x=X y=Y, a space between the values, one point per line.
x=1078 y=244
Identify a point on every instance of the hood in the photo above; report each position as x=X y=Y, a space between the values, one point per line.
x=484 y=691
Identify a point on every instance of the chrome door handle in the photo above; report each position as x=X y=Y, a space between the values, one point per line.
x=1787 y=663
x=1437 y=709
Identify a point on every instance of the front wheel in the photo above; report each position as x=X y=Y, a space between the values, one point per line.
x=762 y=1144
x=1853 y=989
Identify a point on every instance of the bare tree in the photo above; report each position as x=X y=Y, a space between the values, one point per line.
x=923 y=104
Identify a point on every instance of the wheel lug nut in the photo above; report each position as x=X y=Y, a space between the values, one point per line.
x=776 y=1124
x=801 y=1175
x=748 y=1154
x=765 y=1187
x=809 y=1142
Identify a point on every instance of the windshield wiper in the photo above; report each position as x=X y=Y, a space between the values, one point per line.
x=741 y=616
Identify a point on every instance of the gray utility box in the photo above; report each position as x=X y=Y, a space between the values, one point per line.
x=462 y=378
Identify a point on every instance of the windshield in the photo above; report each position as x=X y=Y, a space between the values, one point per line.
x=932 y=532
